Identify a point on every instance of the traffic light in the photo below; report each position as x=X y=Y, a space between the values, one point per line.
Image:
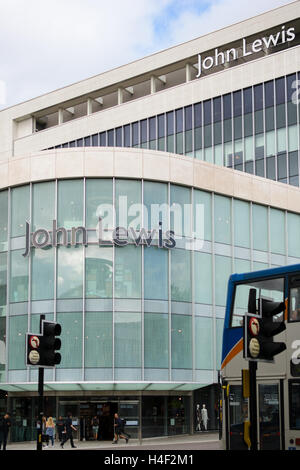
x=33 y=349
x=260 y=328
x=50 y=344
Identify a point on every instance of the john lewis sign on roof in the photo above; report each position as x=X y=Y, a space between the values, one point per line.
x=283 y=36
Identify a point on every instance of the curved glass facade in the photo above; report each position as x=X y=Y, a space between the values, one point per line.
x=133 y=313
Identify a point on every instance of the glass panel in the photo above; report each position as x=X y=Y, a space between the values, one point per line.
x=223 y=270
x=17 y=330
x=128 y=272
x=260 y=227
x=70 y=203
x=99 y=201
x=280 y=116
x=270 y=143
x=202 y=206
x=155 y=205
x=71 y=340
x=236 y=419
x=19 y=210
x=281 y=166
x=293 y=138
x=3 y=219
x=98 y=339
x=98 y=272
x=129 y=203
x=218 y=155
x=247 y=95
x=277 y=231
x=272 y=289
x=69 y=272
x=249 y=152
x=3 y=283
x=181 y=333
x=203 y=343
x=248 y=125
x=271 y=171
x=42 y=271
x=269 y=422
x=156 y=340
x=181 y=282
x=294 y=403
x=293 y=163
x=43 y=205
x=222 y=219
x=203 y=277
x=18 y=276
x=180 y=200
x=269 y=94
x=127 y=339
x=241 y=223
x=155 y=273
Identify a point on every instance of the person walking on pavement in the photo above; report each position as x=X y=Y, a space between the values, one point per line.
x=60 y=425
x=95 y=426
x=69 y=428
x=5 y=424
x=119 y=430
x=50 y=426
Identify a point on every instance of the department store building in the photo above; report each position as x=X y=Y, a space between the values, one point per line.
x=194 y=153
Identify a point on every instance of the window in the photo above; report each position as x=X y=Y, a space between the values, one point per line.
x=128 y=272
x=43 y=202
x=181 y=333
x=99 y=202
x=19 y=210
x=98 y=269
x=181 y=282
x=156 y=341
x=18 y=277
x=70 y=203
x=3 y=218
x=270 y=289
x=294 y=401
x=98 y=339
x=42 y=270
x=127 y=339
x=155 y=273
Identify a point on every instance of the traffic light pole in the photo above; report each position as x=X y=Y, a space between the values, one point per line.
x=39 y=444
x=253 y=404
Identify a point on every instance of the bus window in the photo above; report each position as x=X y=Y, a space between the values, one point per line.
x=270 y=289
x=294 y=314
x=294 y=401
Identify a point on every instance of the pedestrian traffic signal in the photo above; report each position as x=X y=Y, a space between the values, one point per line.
x=260 y=327
x=50 y=344
x=33 y=349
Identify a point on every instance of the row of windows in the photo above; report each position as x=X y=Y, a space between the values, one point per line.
x=116 y=340
x=78 y=202
x=248 y=130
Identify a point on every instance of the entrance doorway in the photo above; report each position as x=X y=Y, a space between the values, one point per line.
x=104 y=411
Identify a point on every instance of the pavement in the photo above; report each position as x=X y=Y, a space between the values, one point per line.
x=198 y=441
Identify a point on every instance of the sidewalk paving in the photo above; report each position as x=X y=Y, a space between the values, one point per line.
x=98 y=445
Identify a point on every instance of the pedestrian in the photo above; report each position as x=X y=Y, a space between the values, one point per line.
x=45 y=438
x=69 y=428
x=60 y=425
x=95 y=427
x=5 y=424
x=119 y=429
x=50 y=427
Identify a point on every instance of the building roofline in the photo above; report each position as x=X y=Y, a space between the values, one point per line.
x=161 y=53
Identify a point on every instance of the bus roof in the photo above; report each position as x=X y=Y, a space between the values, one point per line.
x=270 y=272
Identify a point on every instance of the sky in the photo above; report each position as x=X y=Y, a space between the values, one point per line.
x=49 y=44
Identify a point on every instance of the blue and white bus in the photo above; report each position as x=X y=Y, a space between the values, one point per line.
x=278 y=383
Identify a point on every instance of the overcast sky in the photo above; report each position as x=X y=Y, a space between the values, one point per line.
x=47 y=44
